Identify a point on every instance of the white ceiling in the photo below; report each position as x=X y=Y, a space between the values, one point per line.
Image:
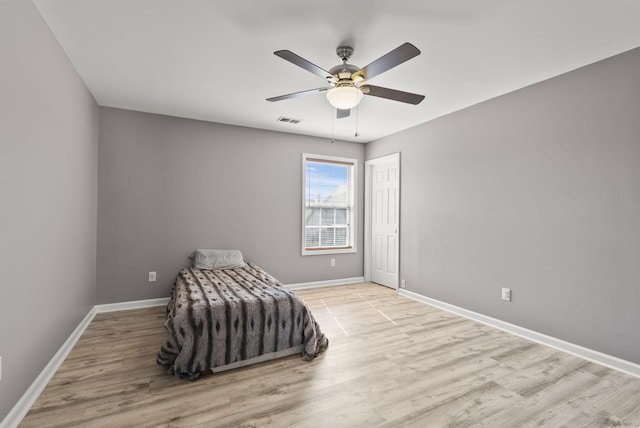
x=213 y=60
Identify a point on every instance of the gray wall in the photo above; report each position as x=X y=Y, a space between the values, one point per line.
x=539 y=191
x=48 y=198
x=168 y=186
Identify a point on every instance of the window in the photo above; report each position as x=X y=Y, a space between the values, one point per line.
x=328 y=204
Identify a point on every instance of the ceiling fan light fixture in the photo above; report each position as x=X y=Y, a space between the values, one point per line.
x=344 y=97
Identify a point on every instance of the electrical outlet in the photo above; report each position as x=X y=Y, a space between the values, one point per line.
x=506 y=294
x=403 y=283
x=333 y=262
x=152 y=277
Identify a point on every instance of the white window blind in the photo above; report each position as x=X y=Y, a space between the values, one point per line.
x=328 y=204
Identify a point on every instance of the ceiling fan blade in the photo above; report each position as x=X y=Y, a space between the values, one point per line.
x=392 y=94
x=342 y=113
x=298 y=94
x=386 y=62
x=303 y=63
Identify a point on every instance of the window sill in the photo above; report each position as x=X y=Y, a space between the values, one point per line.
x=322 y=251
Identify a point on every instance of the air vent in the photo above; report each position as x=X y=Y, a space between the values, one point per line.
x=288 y=120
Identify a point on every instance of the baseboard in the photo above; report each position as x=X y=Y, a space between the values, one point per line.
x=328 y=283
x=20 y=410
x=136 y=304
x=588 y=354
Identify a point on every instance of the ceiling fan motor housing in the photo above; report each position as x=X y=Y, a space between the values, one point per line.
x=344 y=71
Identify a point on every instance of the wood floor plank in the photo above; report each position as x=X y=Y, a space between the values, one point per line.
x=391 y=362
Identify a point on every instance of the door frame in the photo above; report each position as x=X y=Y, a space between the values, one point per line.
x=368 y=183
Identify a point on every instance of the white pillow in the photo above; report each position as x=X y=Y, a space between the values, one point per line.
x=217 y=259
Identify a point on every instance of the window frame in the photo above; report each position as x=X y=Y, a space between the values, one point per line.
x=351 y=218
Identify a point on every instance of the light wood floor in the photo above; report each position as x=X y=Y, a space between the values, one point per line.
x=391 y=362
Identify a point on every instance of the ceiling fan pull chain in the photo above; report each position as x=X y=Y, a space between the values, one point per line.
x=333 y=121
x=357 y=110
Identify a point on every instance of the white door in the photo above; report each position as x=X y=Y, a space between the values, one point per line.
x=385 y=210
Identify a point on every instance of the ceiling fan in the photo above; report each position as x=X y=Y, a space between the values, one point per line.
x=346 y=81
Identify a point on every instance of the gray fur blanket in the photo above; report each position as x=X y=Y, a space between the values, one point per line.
x=220 y=317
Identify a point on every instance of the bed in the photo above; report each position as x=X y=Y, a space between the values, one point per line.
x=224 y=318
